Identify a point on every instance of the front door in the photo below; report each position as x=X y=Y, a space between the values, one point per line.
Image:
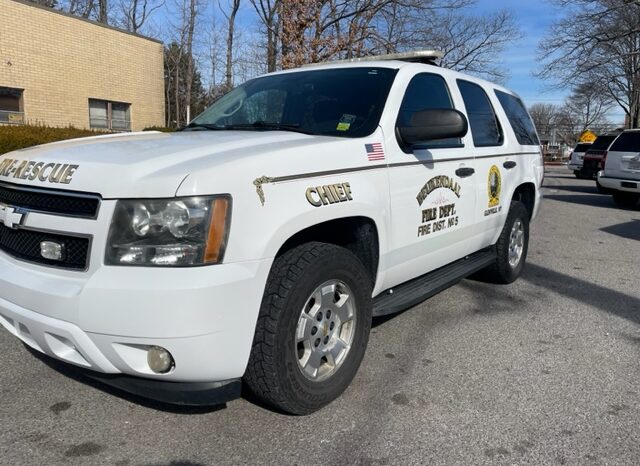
x=433 y=193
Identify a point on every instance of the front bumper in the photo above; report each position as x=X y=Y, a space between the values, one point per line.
x=204 y=316
x=619 y=184
x=574 y=166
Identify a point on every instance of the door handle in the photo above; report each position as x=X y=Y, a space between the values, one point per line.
x=509 y=164
x=463 y=172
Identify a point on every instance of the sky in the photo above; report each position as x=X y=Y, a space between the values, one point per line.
x=534 y=17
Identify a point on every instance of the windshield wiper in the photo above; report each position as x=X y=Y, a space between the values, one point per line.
x=268 y=126
x=208 y=126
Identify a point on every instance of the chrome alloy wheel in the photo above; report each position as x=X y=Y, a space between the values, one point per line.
x=325 y=330
x=516 y=243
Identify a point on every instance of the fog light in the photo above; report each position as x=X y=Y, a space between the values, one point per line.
x=52 y=250
x=160 y=360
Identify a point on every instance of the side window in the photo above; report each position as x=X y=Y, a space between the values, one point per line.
x=483 y=122
x=426 y=91
x=519 y=119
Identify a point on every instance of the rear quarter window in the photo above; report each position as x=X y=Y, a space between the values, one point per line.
x=627 y=142
x=485 y=128
x=519 y=119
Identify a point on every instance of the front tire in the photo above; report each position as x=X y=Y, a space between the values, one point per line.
x=312 y=330
x=512 y=246
x=625 y=199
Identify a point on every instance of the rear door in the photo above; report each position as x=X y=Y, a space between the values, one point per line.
x=623 y=160
x=493 y=180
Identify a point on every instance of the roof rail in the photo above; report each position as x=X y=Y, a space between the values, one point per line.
x=428 y=57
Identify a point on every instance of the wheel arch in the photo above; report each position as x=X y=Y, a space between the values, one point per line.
x=358 y=234
x=526 y=193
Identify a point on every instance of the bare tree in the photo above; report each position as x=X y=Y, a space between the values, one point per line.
x=103 y=12
x=231 y=22
x=598 y=41
x=136 y=12
x=545 y=118
x=588 y=103
x=267 y=11
x=473 y=44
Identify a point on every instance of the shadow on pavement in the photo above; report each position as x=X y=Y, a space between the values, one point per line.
x=577 y=189
x=605 y=299
x=70 y=371
x=629 y=230
x=594 y=200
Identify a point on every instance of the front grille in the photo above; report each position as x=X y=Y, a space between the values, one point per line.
x=25 y=245
x=50 y=201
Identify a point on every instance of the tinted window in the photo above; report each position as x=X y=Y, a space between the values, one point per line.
x=518 y=119
x=627 y=142
x=582 y=147
x=485 y=128
x=601 y=143
x=426 y=92
x=336 y=102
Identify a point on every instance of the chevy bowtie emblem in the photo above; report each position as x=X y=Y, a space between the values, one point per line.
x=9 y=216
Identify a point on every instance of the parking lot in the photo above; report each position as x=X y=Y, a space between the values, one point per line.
x=543 y=371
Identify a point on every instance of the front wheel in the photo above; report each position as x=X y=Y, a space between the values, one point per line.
x=312 y=330
x=512 y=246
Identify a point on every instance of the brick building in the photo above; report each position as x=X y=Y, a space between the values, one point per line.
x=59 y=70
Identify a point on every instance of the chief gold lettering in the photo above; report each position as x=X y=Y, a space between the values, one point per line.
x=32 y=170
x=329 y=194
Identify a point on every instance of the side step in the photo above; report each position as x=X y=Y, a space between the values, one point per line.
x=417 y=290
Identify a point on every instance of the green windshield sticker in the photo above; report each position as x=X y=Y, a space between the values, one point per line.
x=345 y=122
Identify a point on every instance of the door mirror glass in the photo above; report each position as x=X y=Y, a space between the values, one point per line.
x=433 y=124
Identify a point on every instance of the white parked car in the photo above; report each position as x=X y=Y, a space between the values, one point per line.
x=576 y=158
x=256 y=244
x=621 y=172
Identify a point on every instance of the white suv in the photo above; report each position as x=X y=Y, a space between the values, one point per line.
x=621 y=173
x=576 y=158
x=256 y=244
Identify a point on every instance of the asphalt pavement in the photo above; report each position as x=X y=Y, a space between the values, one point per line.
x=543 y=371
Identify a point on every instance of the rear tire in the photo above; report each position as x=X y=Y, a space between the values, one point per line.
x=511 y=248
x=626 y=200
x=307 y=346
x=578 y=174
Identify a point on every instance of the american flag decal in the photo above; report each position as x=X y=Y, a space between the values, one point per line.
x=374 y=151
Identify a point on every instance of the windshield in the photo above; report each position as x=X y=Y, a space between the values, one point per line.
x=344 y=102
x=582 y=147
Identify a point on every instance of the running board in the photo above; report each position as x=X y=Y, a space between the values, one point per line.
x=417 y=290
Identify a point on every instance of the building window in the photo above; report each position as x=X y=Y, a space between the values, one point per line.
x=11 y=106
x=114 y=116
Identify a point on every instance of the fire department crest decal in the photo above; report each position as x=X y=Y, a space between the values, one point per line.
x=494 y=185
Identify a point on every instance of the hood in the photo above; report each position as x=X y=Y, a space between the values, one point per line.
x=146 y=164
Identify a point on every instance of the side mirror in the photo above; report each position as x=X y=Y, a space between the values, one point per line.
x=429 y=125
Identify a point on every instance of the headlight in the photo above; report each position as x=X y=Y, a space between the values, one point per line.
x=169 y=232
